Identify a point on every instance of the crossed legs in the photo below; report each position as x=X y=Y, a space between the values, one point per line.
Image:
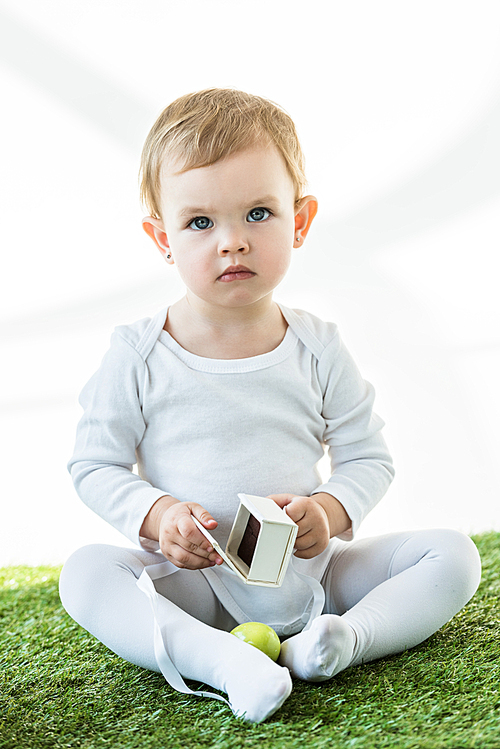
x=383 y=595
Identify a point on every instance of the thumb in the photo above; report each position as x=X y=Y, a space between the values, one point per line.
x=282 y=500
x=203 y=515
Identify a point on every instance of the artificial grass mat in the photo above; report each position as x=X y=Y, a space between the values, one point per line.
x=62 y=688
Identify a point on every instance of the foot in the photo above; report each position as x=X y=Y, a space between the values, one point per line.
x=320 y=652
x=258 y=692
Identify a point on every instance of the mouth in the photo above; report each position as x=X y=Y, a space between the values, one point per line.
x=236 y=273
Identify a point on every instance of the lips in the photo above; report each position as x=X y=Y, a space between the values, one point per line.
x=236 y=273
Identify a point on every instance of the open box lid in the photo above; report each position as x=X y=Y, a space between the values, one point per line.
x=260 y=543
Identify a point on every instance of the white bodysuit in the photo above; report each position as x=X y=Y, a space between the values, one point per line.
x=204 y=430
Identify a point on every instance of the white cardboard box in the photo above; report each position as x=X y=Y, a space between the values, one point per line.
x=260 y=543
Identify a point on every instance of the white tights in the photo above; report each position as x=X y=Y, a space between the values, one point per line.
x=383 y=595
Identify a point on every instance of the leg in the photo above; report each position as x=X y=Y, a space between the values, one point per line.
x=98 y=589
x=385 y=595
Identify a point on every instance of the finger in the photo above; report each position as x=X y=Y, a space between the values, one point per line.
x=307 y=553
x=304 y=531
x=203 y=515
x=192 y=559
x=191 y=538
x=185 y=559
x=297 y=509
x=282 y=500
x=306 y=541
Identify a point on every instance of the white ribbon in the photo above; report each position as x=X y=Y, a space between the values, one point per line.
x=169 y=671
x=318 y=595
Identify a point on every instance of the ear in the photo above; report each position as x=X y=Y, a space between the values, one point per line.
x=155 y=229
x=304 y=214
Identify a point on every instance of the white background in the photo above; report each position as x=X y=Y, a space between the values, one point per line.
x=398 y=109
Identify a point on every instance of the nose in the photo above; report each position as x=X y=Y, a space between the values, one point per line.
x=233 y=250
x=233 y=243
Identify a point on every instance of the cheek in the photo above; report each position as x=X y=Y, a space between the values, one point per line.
x=280 y=260
x=190 y=260
x=189 y=272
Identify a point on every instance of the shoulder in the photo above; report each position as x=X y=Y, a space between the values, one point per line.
x=122 y=369
x=315 y=333
x=325 y=331
x=139 y=336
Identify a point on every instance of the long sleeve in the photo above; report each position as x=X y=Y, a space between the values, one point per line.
x=175 y=414
x=362 y=468
x=111 y=428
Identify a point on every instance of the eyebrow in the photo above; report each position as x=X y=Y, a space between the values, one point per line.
x=188 y=211
x=196 y=211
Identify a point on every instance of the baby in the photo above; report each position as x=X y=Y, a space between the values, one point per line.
x=227 y=391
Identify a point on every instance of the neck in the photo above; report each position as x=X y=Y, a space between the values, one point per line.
x=263 y=312
x=226 y=334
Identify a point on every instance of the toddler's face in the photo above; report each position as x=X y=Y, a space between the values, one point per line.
x=230 y=227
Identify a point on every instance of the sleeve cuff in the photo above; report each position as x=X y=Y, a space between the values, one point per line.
x=350 y=502
x=146 y=543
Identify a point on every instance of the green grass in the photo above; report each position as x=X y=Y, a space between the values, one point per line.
x=60 y=688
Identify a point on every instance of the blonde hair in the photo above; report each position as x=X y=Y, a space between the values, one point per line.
x=200 y=128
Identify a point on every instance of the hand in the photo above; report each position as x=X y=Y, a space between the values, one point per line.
x=319 y=518
x=170 y=522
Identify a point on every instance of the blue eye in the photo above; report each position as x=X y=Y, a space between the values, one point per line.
x=258 y=214
x=201 y=222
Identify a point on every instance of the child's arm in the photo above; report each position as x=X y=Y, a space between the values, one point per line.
x=361 y=465
x=362 y=468
x=320 y=518
x=170 y=523
x=108 y=435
